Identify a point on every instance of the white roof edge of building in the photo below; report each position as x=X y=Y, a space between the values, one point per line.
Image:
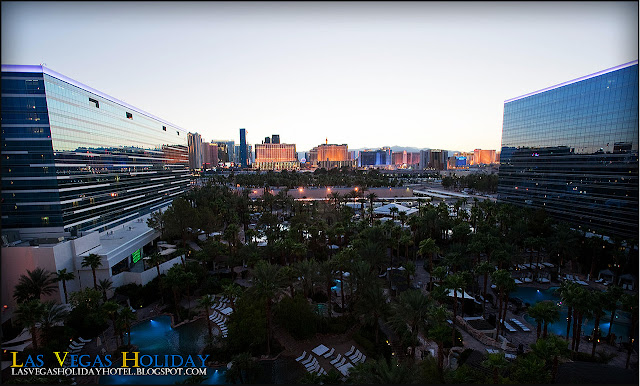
x=73 y=82
x=629 y=64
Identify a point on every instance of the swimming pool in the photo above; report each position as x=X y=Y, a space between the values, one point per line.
x=156 y=336
x=532 y=296
x=337 y=286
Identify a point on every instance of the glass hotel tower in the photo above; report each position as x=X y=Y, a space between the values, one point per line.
x=75 y=160
x=572 y=149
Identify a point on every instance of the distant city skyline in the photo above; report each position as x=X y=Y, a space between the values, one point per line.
x=367 y=74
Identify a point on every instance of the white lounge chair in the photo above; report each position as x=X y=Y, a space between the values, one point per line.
x=329 y=353
x=313 y=363
x=342 y=362
x=508 y=326
x=350 y=352
x=355 y=356
x=84 y=340
x=336 y=360
x=362 y=358
x=301 y=357
x=307 y=361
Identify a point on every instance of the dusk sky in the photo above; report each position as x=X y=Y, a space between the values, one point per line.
x=368 y=74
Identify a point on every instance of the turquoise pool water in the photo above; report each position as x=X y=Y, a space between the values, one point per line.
x=337 y=286
x=156 y=336
x=531 y=295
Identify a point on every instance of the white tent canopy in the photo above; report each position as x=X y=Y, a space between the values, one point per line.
x=386 y=209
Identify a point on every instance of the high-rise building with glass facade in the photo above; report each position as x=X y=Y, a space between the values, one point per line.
x=81 y=173
x=75 y=159
x=244 y=157
x=572 y=149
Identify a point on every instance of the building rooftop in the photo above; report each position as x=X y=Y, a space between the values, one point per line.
x=629 y=64
x=48 y=71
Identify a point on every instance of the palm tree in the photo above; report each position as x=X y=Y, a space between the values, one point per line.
x=52 y=315
x=410 y=270
x=411 y=311
x=439 y=273
x=111 y=308
x=156 y=259
x=439 y=330
x=381 y=372
x=64 y=276
x=551 y=347
x=34 y=284
x=407 y=240
x=567 y=292
x=371 y=197
x=393 y=210
x=372 y=305
x=581 y=308
x=428 y=247
x=454 y=281
x=105 y=285
x=241 y=364
x=93 y=261
x=126 y=316
x=598 y=302
x=28 y=314
x=630 y=304
x=504 y=284
x=484 y=269
x=205 y=302
x=289 y=276
x=544 y=313
x=308 y=269
x=232 y=291
x=496 y=362
x=267 y=284
x=326 y=273
x=613 y=295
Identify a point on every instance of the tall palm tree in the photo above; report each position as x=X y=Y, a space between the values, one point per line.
x=393 y=210
x=613 y=295
x=496 y=362
x=630 y=304
x=64 y=276
x=381 y=372
x=567 y=292
x=484 y=269
x=267 y=284
x=308 y=269
x=411 y=311
x=597 y=304
x=544 y=313
x=439 y=330
x=455 y=282
x=111 y=308
x=551 y=347
x=371 y=197
x=156 y=259
x=28 y=314
x=205 y=303
x=504 y=284
x=93 y=261
x=372 y=305
x=126 y=316
x=52 y=315
x=105 y=285
x=326 y=273
x=34 y=284
x=232 y=291
x=428 y=247
x=581 y=308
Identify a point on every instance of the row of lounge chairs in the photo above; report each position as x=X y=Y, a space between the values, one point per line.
x=506 y=355
x=576 y=279
x=220 y=320
x=341 y=362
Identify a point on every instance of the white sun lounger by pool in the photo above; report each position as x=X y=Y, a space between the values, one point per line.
x=492 y=351
x=84 y=340
x=301 y=357
x=362 y=358
x=312 y=364
x=341 y=363
x=521 y=325
x=344 y=369
x=508 y=326
x=329 y=353
x=307 y=361
x=355 y=356
x=336 y=360
x=350 y=352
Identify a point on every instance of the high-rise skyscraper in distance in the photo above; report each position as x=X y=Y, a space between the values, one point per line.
x=275 y=138
x=572 y=149
x=276 y=156
x=196 y=156
x=243 y=149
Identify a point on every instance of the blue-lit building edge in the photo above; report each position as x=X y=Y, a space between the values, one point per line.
x=27 y=143
x=573 y=151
